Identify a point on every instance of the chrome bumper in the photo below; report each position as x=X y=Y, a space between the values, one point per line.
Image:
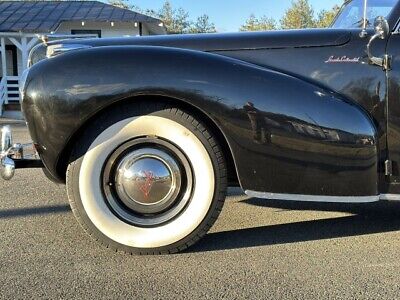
x=16 y=156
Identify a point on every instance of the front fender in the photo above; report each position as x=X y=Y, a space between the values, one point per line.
x=286 y=135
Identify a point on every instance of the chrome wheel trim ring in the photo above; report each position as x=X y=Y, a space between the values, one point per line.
x=92 y=197
x=140 y=215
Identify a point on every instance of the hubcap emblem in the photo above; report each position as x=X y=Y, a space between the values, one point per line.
x=146 y=186
x=148 y=180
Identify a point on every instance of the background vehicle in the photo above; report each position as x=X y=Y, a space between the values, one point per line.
x=148 y=132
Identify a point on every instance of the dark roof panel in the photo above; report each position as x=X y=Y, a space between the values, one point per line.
x=94 y=12
x=32 y=26
x=46 y=16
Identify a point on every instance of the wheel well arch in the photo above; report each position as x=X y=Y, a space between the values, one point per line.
x=233 y=177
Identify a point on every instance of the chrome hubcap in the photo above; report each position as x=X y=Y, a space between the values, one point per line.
x=148 y=180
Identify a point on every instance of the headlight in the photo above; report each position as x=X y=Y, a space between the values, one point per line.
x=37 y=54
x=54 y=50
x=42 y=51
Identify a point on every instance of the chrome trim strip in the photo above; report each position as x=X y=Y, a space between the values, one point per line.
x=390 y=197
x=46 y=37
x=313 y=198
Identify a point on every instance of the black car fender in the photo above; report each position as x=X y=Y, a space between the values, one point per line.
x=286 y=134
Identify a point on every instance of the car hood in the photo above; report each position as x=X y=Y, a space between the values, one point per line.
x=232 y=41
x=279 y=39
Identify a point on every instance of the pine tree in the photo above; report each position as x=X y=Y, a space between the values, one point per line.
x=203 y=25
x=299 y=15
x=326 y=17
x=120 y=3
x=176 y=21
x=261 y=24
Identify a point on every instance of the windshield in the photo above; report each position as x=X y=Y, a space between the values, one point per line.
x=352 y=13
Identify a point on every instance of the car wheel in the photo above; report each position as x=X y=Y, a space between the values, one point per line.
x=147 y=179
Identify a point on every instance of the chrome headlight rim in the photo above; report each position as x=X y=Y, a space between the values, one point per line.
x=57 y=49
x=32 y=52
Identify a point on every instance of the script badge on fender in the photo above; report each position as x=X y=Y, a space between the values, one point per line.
x=342 y=59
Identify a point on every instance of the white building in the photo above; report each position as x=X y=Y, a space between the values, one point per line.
x=23 y=22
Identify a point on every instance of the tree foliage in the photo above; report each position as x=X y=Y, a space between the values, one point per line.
x=176 y=20
x=258 y=24
x=120 y=3
x=203 y=25
x=299 y=15
x=326 y=17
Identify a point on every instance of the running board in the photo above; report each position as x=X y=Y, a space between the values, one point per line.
x=331 y=199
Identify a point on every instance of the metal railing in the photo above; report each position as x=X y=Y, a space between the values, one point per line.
x=12 y=85
x=9 y=91
x=3 y=93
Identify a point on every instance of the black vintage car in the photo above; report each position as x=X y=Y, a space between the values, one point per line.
x=148 y=132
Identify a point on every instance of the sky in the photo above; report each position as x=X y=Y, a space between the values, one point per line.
x=229 y=15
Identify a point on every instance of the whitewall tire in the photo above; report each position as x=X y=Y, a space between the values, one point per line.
x=149 y=180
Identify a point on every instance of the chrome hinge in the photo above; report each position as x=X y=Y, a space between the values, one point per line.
x=387 y=62
x=388 y=168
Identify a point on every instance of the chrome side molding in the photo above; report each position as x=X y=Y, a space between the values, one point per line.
x=390 y=197
x=315 y=198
